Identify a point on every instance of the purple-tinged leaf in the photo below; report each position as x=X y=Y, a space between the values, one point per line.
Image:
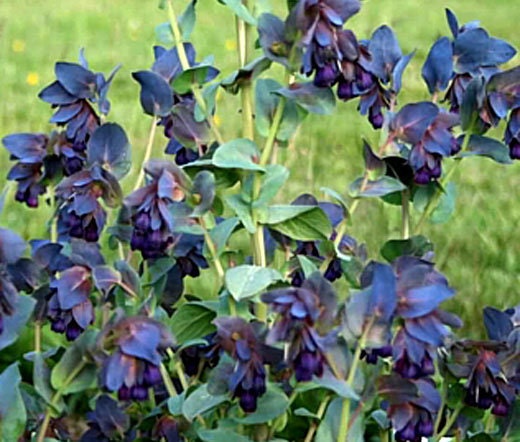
x=438 y=67
x=411 y=122
x=76 y=80
x=167 y=63
x=28 y=147
x=142 y=342
x=396 y=390
x=66 y=113
x=385 y=51
x=498 y=324
x=471 y=104
x=186 y=129
x=397 y=73
x=56 y=94
x=105 y=277
x=13 y=324
x=83 y=314
x=486 y=147
x=362 y=188
x=474 y=48
x=273 y=40
x=374 y=165
x=204 y=188
x=343 y=8
x=383 y=295
x=233 y=82
x=423 y=300
x=73 y=287
x=112 y=420
x=12 y=246
x=452 y=23
x=109 y=147
x=156 y=95
x=317 y=100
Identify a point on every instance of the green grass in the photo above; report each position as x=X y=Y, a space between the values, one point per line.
x=477 y=249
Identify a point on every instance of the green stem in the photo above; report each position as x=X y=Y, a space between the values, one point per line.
x=314 y=424
x=213 y=251
x=345 y=410
x=432 y=204
x=273 y=131
x=37 y=337
x=443 y=403
x=183 y=58
x=56 y=398
x=405 y=214
x=449 y=423
x=147 y=153
x=167 y=381
x=243 y=44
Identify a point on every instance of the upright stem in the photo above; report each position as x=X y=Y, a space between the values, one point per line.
x=37 y=337
x=314 y=424
x=213 y=251
x=147 y=153
x=183 y=58
x=345 y=411
x=405 y=214
x=449 y=423
x=55 y=399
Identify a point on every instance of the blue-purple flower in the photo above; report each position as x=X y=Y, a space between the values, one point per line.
x=239 y=340
x=512 y=134
x=302 y=311
x=137 y=345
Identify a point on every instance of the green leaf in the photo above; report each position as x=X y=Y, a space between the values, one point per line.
x=446 y=205
x=195 y=75
x=12 y=409
x=336 y=196
x=187 y=20
x=510 y=425
x=271 y=405
x=64 y=375
x=221 y=435
x=164 y=34
x=316 y=100
x=304 y=223
x=209 y=94
x=240 y=10
x=42 y=381
x=305 y=413
x=308 y=267
x=272 y=181
x=201 y=401
x=233 y=82
x=414 y=246
x=246 y=280
x=266 y=102
x=338 y=386
x=175 y=404
x=221 y=232
x=192 y=321
x=238 y=154
x=487 y=147
x=242 y=210
x=204 y=187
x=362 y=188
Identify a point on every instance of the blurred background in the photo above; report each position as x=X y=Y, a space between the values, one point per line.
x=477 y=249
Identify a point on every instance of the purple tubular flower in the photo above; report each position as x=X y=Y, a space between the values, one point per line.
x=150 y=207
x=412 y=407
x=188 y=254
x=133 y=367
x=300 y=310
x=512 y=134
x=106 y=422
x=238 y=339
x=81 y=215
x=69 y=307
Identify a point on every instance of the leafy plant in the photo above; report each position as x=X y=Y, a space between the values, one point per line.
x=299 y=333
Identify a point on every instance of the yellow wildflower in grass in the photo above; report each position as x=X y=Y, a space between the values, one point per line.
x=32 y=79
x=217 y=120
x=230 y=45
x=18 y=45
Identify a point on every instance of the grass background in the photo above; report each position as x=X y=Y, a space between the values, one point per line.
x=477 y=249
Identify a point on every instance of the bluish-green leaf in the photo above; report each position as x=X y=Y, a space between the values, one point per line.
x=238 y=154
x=200 y=401
x=12 y=409
x=240 y=10
x=204 y=187
x=414 y=246
x=362 y=188
x=13 y=324
x=195 y=75
x=221 y=232
x=316 y=100
x=187 y=20
x=271 y=405
x=109 y=147
x=221 y=435
x=242 y=210
x=247 y=280
x=164 y=34
x=272 y=181
x=487 y=147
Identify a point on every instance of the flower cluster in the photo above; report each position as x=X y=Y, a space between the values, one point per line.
x=132 y=368
x=428 y=131
x=152 y=208
x=301 y=310
x=41 y=158
x=248 y=379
